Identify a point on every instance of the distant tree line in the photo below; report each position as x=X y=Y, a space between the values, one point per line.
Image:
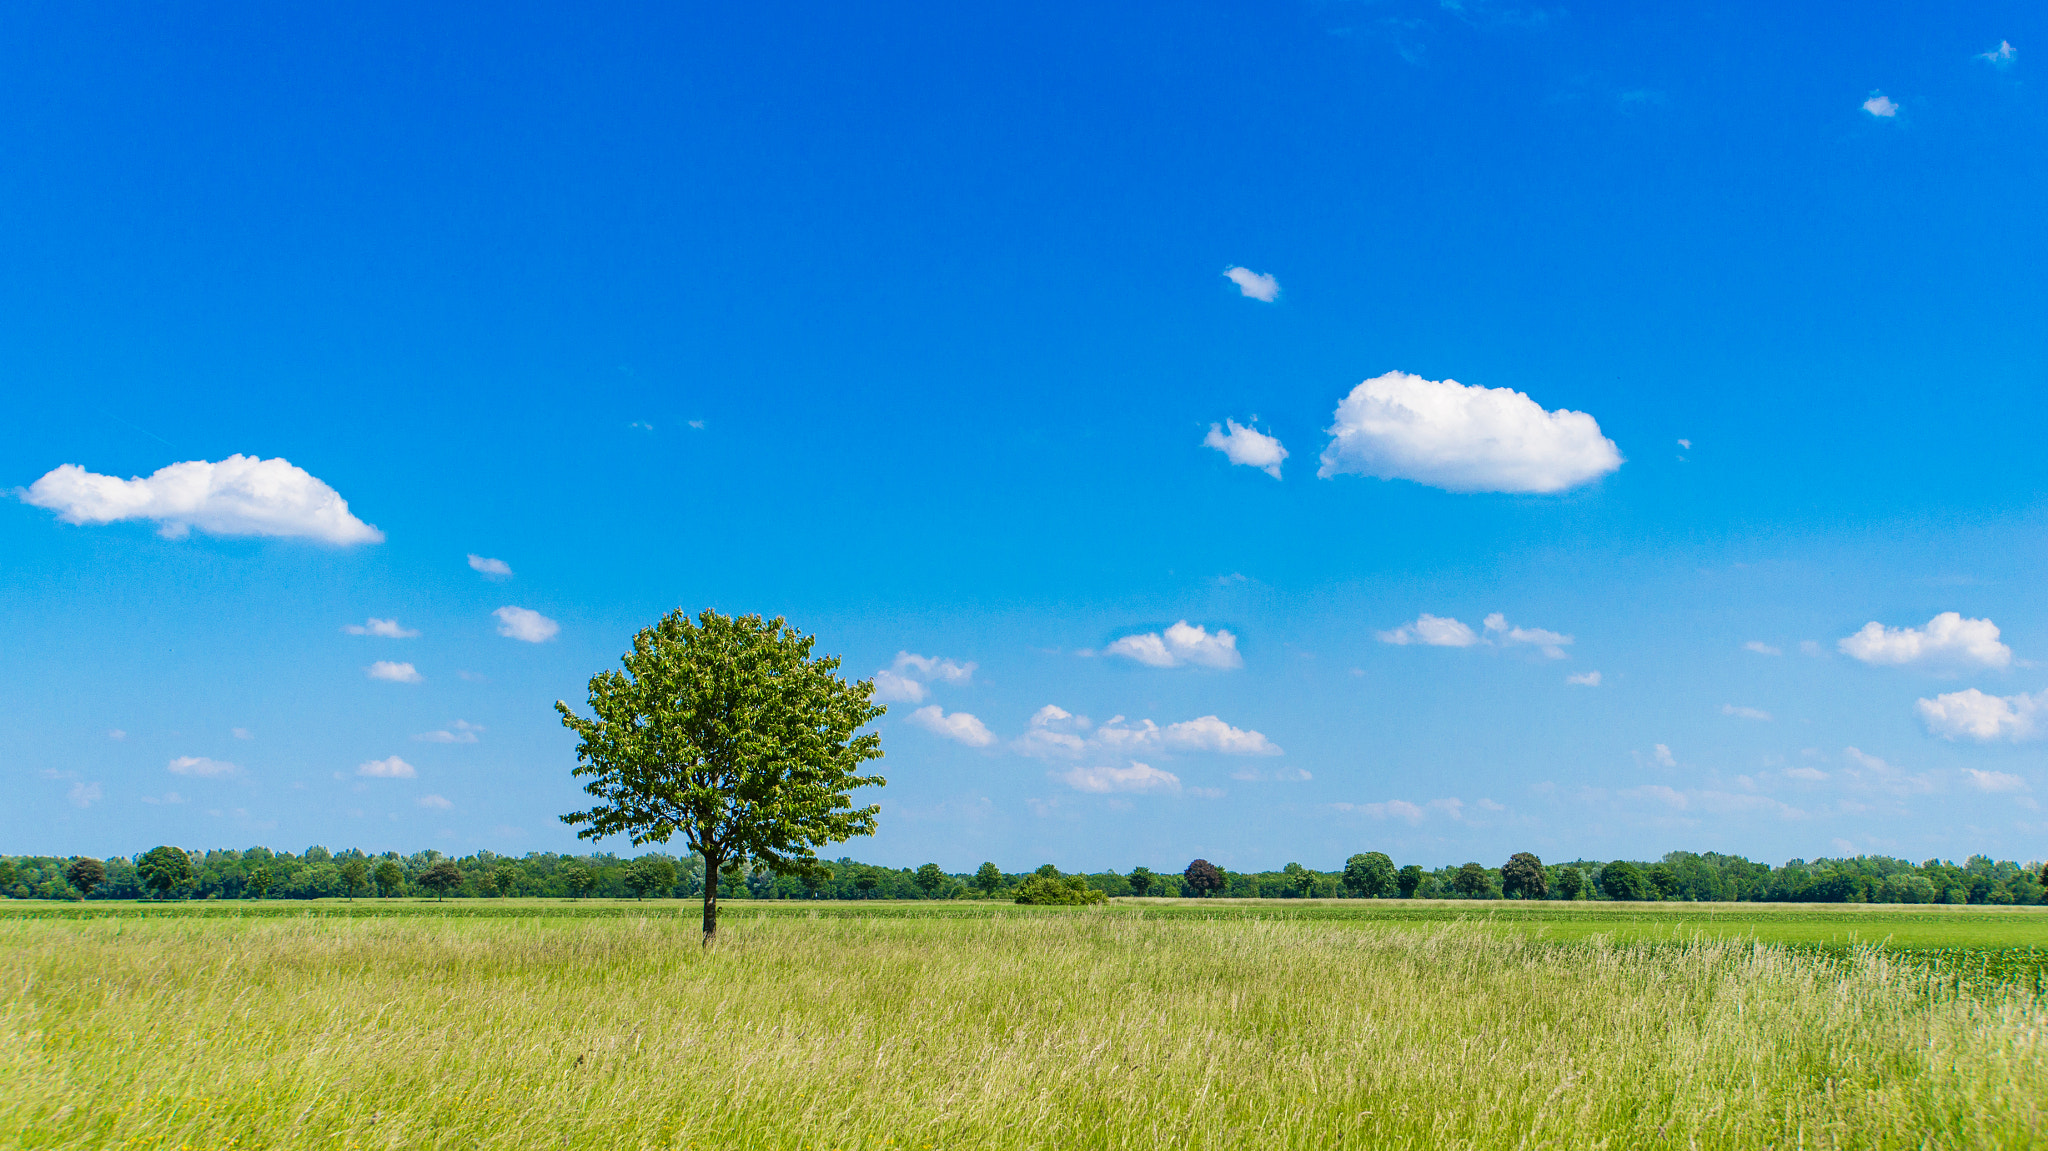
x=317 y=873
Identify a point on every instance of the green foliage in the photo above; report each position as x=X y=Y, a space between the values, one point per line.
x=1523 y=877
x=1142 y=881
x=652 y=873
x=258 y=881
x=930 y=879
x=1204 y=877
x=1624 y=881
x=987 y=878
x=441 y=877
x=1056 y=890
x=1472 y=881
x=731 y=733
x=164 y=869
x=355 y=876
x=1408 y=879
x=1571 y=882
x=84 y=874
x=390 y=878
x=1370 y=875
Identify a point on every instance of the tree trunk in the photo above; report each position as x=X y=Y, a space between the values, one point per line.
x=711 y=866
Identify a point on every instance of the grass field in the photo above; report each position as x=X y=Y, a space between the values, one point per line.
x=1163 y=1024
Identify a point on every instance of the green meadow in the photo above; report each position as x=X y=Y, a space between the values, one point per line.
x=1290 y=1024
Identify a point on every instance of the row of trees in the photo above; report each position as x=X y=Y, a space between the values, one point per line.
x=316 y=873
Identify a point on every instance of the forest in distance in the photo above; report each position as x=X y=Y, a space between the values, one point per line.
x=318 y=873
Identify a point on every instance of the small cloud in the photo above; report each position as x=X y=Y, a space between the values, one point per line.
x=525 y=625
x=641 y=425
x=242 y=733
x=1686 y=444
x=1761 y=648
x=1138 y=777
x=1809 y=647
x=394 y=672
x=458 y=732
x=117 y=735
x=387 y=628
x=169 y=797
x=1391 y=809
x=1551 y=643
x=1867 y=770
x=1447 y=435
x=1434 y=631
x=1881 y=106
x=1275 y=775
x=85 y=794
x=1999 y=56
x=1490 y=805
x=905 y=680
x=1805 y=774
x=239 y=496
x=959 y=726
x=1248 y=446
x=472 y=677
x=1206 y=734
x=697 y=424
x=438 y=803
x=390 y=767
x=1948 y=639
x=1253 y=285
x=1179 y=645
x=1590 y=679
x=200 y=766
x=1994 y=781
x=490 y=568
x=1972 y=714
x=1663 y=756
x=1744 y=712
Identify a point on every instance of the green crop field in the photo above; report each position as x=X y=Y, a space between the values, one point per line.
x=1291 y=1024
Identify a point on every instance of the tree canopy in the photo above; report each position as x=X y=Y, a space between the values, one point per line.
x=730 y=732
x=1524 y=878
x=1204 y=877
x=1369 y=875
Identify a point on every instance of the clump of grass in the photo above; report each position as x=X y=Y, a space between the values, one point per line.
x=1075 y=1030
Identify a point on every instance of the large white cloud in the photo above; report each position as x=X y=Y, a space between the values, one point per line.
x=960 y=726
x=1254 y=285
x=525 y=624
x=239 y=496
x=1180 y=644
x=1055 y=732
x=905 y=680
x=1463 y=439
x=1248 y=446
x=1947 y=639
x=1971 y=714
x=1138 y=777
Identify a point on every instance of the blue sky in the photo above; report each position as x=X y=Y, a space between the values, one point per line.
x=913 y=325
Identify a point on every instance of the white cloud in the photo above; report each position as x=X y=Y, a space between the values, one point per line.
x=1248 y=446
x=490 y=568
x=1138 y=777
x=242 y=733
x=200 y=766
x=1686 y=444
x=395 y=672
x=525 y=624
x=461 y=731
x=1178 y=645
x=1463 y=439
x=1057 y=733
x=239 y=496
x=1432 y=630
x=1971 y=714
x=1805 y=774
x=1402 y=809
x=1881 y=106
x=959 y=726
x=438 y=803
x=1947 y=639
x=1994 y=781
x=117 y=735
x=1868 y=771
x=904 y=682
x=1761 y=648
x=1664 y=757
x=85 y=794
x=1590 y=679
x=169 y=797
x=1256 y=285
x=2001 y=55
x=1552 y=643
x=1276 y=775
x=1809 y=647
x=390 y=767
x=1744 y=712
x=388 y=628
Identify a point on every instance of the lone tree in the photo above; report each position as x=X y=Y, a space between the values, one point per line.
x=1523 y=877
x=1204 y=877
x=1370 y=875
x=1408 y=879
x=930 y=879
x=730 y=732
x=390 y=878
x=163 y=869
x=987 y=879
x=441 y=877
x=85 y=873
x=355 y=875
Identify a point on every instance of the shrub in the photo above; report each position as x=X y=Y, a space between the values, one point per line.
x=1066 y=891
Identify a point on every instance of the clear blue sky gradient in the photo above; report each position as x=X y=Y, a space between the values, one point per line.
x=942 y=286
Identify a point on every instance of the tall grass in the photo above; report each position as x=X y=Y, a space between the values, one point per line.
x=1072 y=1031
